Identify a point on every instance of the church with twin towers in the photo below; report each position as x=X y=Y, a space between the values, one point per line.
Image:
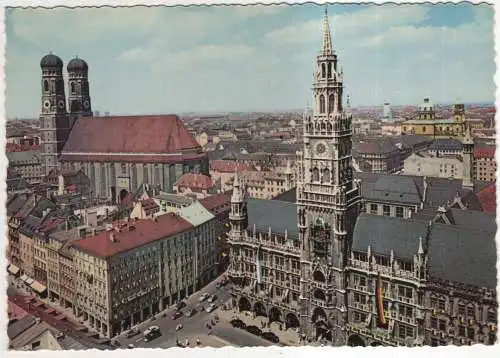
x=363 y=259
x=118 y=154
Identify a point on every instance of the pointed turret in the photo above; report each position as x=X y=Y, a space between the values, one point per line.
x=326 y=48
x=468 y=138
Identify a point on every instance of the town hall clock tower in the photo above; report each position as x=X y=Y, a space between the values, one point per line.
x=328 y=201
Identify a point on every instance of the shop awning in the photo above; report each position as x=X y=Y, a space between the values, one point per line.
x=38 y=287
x=13 y=269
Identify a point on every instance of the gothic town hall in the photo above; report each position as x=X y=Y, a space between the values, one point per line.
x=328 y=264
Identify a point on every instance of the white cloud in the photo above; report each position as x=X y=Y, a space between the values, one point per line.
x=368 y=20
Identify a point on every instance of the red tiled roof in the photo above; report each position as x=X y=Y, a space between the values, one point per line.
x=217 y=203
x=229 y=166
x=148 y=204
x=488 y=198
x=130 y=134
x=145 y=232
x=14 y=311
x=484 y=152
x=171 y=159
x=195 y=181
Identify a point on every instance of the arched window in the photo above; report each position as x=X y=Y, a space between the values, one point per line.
x=329 y=70
x=331 y=103
x=46 y=86
x=323 y=126
x=326 y=176
x=321 y=104
x=73 y=88
x=423 y=129
x=323 y=70
x=329 y=127
x=315 y=174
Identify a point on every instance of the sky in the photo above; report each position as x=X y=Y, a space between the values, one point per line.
x=152 y=60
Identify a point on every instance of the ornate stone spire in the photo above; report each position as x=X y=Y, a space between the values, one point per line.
x=326 y=48
x=468 y=138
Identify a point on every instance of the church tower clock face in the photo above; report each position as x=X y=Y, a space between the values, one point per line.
x=320 y=148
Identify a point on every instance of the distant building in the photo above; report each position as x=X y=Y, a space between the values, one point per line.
x=387 y=112
x=27 y=163
x=426 y=123
x=449 y=166
x=485 y=165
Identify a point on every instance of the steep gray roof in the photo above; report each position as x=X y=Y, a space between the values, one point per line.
x=374 y=187
x=385 y=233
x=16 y=204
x=274 y=214
x=465 y=252
x=17 y=327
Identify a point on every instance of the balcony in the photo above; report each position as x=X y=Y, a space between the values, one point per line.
x=361 y=306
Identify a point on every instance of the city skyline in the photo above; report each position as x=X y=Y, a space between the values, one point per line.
x=144 y=68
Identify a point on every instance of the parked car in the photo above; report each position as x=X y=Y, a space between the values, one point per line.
x=212 y=298
x=191 y=312
x=176 y=315
x=203 y=297
x=133 y=332
x=238 y=323
x=270 y=336
x=130 y=346
x=254 y=330
x=180 y=305
x=211 y=307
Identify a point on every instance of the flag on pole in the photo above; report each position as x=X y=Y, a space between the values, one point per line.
x=380 y=303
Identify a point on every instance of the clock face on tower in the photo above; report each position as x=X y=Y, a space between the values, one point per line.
x=46 y=104
x=61 y=104
x=320 y=148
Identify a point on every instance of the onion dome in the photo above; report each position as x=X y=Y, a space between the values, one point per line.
x=77 y=64
x=51 y=60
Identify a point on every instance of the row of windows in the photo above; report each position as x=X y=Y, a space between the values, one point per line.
x=386 y=210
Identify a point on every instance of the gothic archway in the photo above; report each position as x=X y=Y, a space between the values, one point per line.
x=244 y=304
x=321 y=104
x=355 y=341
x=323 y=330
x=331 y=103
x=326 y=176
x=259 y=309
x=319 y=315
x=319 y=294
x=291 y=321
x=315 y=174
x=123 y=194
x=274 y=315
x=318 y=276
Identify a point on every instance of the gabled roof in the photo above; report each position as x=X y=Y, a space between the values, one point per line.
x=280 y=216
x=466 y=251
x=160 y=134
x=217 y=203
x=195 y=181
